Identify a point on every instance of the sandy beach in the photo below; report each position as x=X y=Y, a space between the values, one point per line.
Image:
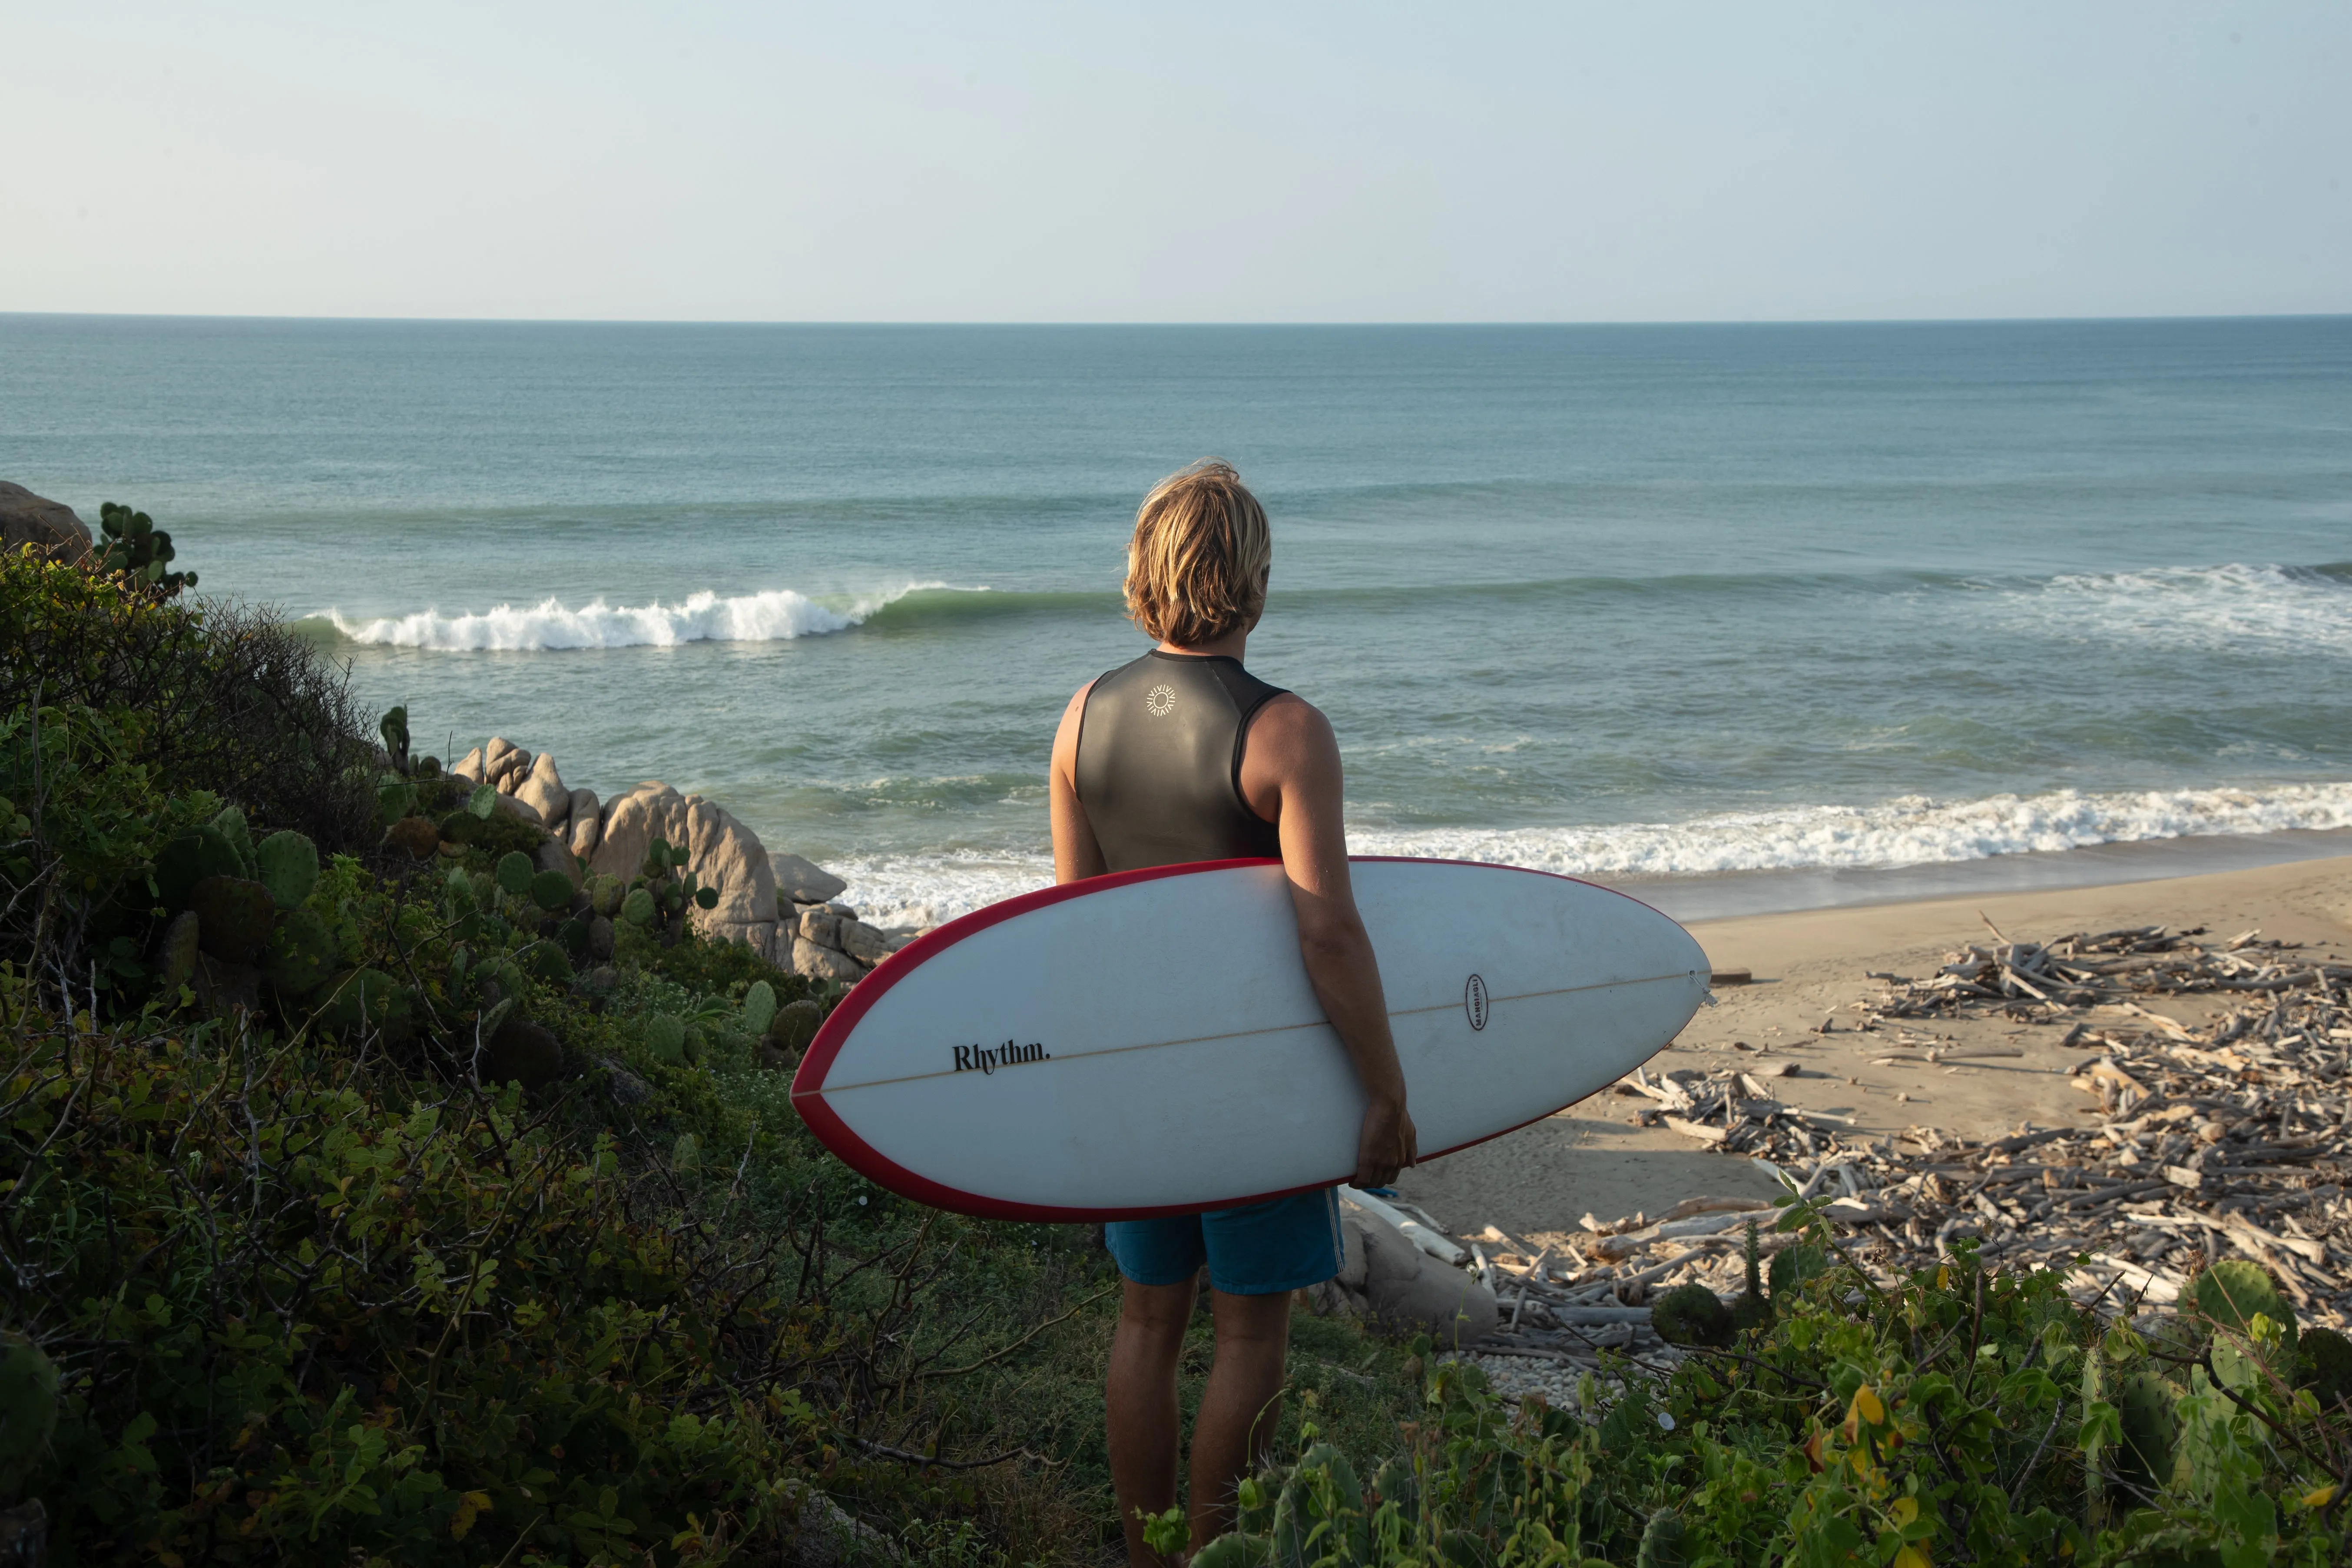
x=1811 y=967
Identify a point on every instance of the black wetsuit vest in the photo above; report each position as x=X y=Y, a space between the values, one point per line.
x=1159 y=762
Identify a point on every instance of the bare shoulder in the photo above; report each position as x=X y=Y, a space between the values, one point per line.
x=1291 y=723
x=1290 y=744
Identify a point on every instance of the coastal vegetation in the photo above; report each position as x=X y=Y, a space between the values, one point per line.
x=377 y=1187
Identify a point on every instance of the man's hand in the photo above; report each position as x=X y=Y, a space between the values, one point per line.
x=1386 y=1145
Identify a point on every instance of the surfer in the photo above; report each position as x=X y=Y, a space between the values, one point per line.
x=1184 y=755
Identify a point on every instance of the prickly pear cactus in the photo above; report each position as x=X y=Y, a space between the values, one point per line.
x=1661 y=1541
x=1792 y=1266
x=190 y=858
x=231 y=825
x=666 y=1038
x=551 y=890
x=300 y=954
x=759 y=1007
x=515 y=872
x=287 y=863
x=1692 y=1315
x=637 y=909
x=131 y=544
x=605 y=894
x=2232 y=1293
x=2145 y=1404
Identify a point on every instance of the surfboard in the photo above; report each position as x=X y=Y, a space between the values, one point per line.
x=1147 y=1043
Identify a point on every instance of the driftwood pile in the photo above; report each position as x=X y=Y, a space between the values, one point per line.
x=2231 y=1136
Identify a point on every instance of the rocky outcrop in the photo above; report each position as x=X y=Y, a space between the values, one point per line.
x=27 y=519
x=778 y=903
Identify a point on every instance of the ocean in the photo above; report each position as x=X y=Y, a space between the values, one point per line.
x=1676 y=606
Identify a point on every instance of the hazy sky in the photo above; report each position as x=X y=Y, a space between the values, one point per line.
x=1203 y=162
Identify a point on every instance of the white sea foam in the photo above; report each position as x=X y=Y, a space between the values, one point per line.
x=2233 y=606
x=1911 y=831
x=777 y=615
x=921 y=891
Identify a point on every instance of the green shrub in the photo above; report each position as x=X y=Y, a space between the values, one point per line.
x=304 y=1312
x=230 y=699
x=1959 y=1416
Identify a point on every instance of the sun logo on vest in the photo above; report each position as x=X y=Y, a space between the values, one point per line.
x=1159 y=701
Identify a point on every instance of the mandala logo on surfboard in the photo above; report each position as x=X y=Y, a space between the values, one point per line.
x=1474 y=1002
x=1159 y=701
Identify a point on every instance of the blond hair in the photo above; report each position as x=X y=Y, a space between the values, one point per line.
x=1196 y=567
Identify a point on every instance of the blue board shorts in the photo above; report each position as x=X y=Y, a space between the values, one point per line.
x=1258 y=1249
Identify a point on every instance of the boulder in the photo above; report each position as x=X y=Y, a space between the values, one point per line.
x=823 y=963
x=625 y=1087
x=27 y=519
x=522 y=808
x=468 y=770
x=505 y=764
x=863 y=942
x=820 y=925
x=721 y=851
x=804 y=881
x=587 y=823
x=543 y=791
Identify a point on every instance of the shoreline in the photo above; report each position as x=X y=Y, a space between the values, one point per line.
x=1809 y=965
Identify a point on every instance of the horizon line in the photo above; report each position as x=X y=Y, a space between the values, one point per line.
x=1205 y=324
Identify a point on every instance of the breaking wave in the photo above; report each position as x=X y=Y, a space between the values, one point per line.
x=925 y=890
x=776 y=615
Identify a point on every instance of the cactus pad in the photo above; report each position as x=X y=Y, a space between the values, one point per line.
x=189 y=859
x=2231 y=1292
x=1692 y=1315
x=666 y=1038
x=287 y=864
x=301 y=954
x=515 y=872
x=551 y=890
x=759 y=1007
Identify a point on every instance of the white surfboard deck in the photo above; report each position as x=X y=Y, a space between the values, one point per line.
x=1147 y=1043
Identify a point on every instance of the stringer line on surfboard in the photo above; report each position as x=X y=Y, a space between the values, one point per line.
x=1270 y=1029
